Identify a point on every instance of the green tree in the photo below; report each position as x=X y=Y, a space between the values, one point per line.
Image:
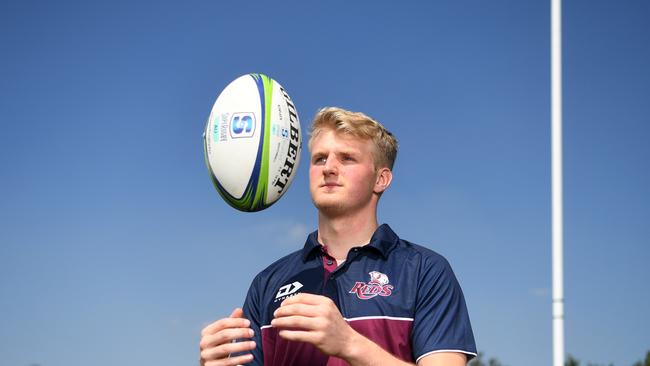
x=645 y=362
x=571 y=361
x=478 y=360
x=494 y=362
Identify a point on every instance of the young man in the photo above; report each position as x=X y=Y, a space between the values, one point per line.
x=356 y=293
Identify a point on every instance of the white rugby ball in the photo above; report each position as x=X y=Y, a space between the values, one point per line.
x=252 y=142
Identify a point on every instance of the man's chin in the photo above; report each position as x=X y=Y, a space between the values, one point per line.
x=330 y=207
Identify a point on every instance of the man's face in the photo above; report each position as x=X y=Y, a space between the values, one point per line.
x=342 y=174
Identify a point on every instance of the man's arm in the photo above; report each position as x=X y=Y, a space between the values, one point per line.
x=444 y=359
x=316 y=319
x=364 y=352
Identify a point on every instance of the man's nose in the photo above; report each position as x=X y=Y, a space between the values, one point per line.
x=331 y=166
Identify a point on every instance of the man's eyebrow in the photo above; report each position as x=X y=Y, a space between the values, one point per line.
x=354 y=152
x=348 y=152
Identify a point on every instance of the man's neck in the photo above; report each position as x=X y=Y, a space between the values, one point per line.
x=342 y=233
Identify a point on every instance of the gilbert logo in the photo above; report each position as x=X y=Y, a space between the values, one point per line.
x=287 y=290
x=378 y=285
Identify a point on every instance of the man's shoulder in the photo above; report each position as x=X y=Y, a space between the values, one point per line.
x=400 y=249
x=281 y=268
x=425 y=255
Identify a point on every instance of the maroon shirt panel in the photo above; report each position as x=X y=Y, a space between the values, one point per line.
x=392 y=335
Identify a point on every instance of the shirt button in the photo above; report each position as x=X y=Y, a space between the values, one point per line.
x=329 y=262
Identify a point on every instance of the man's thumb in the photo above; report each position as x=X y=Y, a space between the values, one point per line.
x=237 y=313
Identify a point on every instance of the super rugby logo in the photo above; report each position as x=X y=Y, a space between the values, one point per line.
x=378 y=285
x=242 y=124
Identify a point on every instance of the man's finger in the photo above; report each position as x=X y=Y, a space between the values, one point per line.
x=295 y=322
x=297 y=309
x=237 y=313
x=305 y=298
x=224 y=324
x=225 y=336
x=224 y=350
x=239 y=360
x=298 y=335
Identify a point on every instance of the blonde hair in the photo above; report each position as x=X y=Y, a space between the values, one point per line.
x=358 y=125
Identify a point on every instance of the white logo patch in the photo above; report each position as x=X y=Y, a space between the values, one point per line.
x=287 y=290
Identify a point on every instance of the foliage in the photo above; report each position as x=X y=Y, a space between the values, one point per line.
x=570 y=361
x=645 y=362
x=478 y=361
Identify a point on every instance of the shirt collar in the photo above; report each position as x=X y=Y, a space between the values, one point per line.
x=382 y=241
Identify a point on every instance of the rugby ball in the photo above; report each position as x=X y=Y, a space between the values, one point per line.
x=252 y=142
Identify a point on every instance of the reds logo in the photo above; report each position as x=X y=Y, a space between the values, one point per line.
x=378 y=285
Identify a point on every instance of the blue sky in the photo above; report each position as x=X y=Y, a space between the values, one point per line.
x=115 y=249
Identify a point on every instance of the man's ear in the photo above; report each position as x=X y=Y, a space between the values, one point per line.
x=384 y=177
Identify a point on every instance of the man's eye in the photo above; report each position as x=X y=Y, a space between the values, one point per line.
x=319 y=160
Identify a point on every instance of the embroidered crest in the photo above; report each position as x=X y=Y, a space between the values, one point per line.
x=378 y=285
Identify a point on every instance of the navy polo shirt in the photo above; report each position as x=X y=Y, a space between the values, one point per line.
x=400 y=295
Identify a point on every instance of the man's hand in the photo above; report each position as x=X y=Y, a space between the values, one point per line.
x=217 y=341
x=316 y=320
